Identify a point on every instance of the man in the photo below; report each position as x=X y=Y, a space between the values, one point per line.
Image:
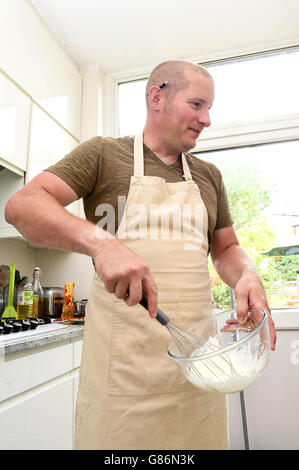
x=131 y=396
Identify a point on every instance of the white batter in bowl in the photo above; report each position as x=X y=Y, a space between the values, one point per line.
x=230 y=358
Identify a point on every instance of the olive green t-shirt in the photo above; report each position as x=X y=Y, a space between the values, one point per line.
x=99 y=170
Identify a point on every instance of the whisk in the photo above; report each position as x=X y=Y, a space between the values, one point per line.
x=187 y=343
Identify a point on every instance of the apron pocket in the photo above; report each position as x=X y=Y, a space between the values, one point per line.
x=139 y=363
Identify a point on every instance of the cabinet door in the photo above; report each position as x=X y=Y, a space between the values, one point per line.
x=49 y=143
x=10 y=183
x=76 y=377
x=27 y=369
x=58 y=93
x=41 y=419
x=31 y=56
x=14 y=126
x=236 y=433
x=272 y=404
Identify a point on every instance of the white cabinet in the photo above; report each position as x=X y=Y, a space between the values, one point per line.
x=23 y=371
x=14 y=126
x=41 y=421
x=10 y=183
x=272 y=404
x=59 y=92
x=38 y=396
x=32 y=57
x=236 y=432
x=49 y=142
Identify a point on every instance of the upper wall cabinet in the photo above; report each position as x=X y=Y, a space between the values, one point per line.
x=59 y=91
x=31 y=56
x=49 y=143
x=14 y=126
x=10 y=183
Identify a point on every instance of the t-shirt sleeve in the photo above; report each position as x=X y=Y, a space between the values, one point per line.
x=224 y=218
x=80 y=168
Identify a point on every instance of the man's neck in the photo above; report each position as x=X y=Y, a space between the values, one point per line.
x=167 y=155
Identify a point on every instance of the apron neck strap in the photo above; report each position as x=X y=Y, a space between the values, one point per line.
x=139 y=164
x=138 y=156
x=187 y=173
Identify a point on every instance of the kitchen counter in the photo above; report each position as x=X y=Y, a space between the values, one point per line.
x=43 y=335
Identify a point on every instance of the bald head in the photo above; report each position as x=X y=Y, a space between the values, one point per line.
x=175 y=73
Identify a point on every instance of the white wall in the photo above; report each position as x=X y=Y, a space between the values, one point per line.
x=60 y=266
x=16 y=251
x=57 y=266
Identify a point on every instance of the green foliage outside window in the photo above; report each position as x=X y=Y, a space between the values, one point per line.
x=248 y=199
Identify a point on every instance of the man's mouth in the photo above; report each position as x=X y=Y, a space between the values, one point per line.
x=195 y=131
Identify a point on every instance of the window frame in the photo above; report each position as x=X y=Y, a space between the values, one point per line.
x=229 y=135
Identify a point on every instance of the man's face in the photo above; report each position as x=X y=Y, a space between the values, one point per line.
x=185 y=116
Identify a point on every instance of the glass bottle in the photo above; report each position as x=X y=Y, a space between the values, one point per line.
x=38 y=294
x=24 y=299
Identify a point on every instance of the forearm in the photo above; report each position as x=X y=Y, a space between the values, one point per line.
x=43 y=221
x=232 y=264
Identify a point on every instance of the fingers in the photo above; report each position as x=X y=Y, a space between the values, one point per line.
x=151 y=290
x=126 y=275
x=147 y=286
x=272 y=332
x=121 y=289
x=232 y=321
x=254 y=319
x=242 y=308
x=134 y=293
x=271 y=325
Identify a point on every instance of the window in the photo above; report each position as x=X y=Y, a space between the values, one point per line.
x=252 y=95
x=131 y=107
x=256 y=88
x=263 y=191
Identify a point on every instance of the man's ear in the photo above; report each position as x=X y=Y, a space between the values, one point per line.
x=155 y=98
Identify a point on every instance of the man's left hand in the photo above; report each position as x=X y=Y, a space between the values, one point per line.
x=250 y=294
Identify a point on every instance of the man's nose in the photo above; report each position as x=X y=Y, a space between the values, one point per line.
x=205 y=119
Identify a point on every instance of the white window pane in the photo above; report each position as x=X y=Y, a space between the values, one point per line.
x=256 y=88
x=131 y=107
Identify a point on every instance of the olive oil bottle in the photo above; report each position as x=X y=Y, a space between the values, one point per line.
x=24 y=299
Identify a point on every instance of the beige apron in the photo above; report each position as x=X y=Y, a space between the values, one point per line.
x=131 y=394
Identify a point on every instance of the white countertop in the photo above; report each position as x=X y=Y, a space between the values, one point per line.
x=44 y=334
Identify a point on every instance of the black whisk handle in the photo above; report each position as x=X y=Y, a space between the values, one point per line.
x=161 y=317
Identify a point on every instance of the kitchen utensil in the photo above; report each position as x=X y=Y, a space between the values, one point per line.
x=231 y=356
x=187 y=343
x=7 y=328
x=1 y=302
x=4 y=283
x=10 y=310
x=53 y=301
x=4 y=275
x=80 y=308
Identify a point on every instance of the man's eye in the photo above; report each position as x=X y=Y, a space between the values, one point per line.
x=196 y=104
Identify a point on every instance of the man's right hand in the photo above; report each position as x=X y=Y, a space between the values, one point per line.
x=125 y=274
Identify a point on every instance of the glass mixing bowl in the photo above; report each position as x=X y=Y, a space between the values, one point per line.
x=228 y=356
